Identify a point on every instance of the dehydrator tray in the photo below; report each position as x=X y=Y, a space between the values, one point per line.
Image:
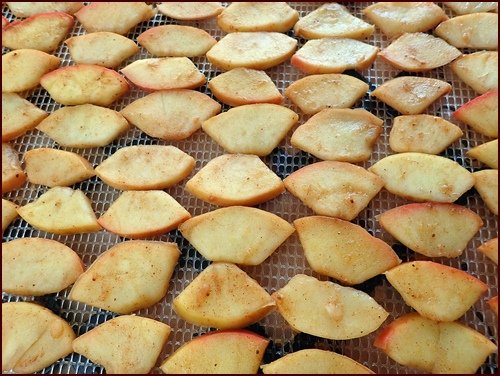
x=288 y=260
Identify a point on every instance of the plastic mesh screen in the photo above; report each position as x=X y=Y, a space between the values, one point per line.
x=288 y=259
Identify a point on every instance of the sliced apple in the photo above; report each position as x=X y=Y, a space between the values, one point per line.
x=479 y=70
x=334 y=55
x=339 y=134
x=436 y=291
x=241 y=86
x=237 y=234
x=258 y=50
x=190 y=11
x=486 y=184
x=411 y=95
x=460 y=7
x=432 y=229
x=13 y=175
x=84 y=83
x=9 y=213
x=176 y=40
x=38 y=266
x=343 y=250
x=235 y=179
x=481 y=114
x=423 y=177
x=19 y=116
x=490 y=249
x=42 y=31
x=129 y=276
x=493 y=303
x=53 y=167
x=486 y=153
x=326 y=309
x=316 y=92
x=222 y=351
x=102 y=48
x=251 y=129
x=140 y=214
x=315 y=361
x=164 y=73
x=263 y=16
x=332 y=188
x=171 y=114
x=225 y=297
x=125 y=344
x=24 y=10
x=418 y=52
x=143 y=167
x=332 y=20
x=5 y=22
x=61 y=210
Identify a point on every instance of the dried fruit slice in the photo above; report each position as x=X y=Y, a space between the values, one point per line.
x=340 y=134
x=9 y=213
x=481 y=113
x=225 y=297
x=252 y=128
x=13 y=175
x=460 y=7
x=328 y=310
x=19 y=116
x=432 y=229
x=23 y=10
x=486 y=183
x=124 y=344
x=490 y=249
x=411 y=95
x=129 y=276
x=316 y=92
x=423 y=177
x=486 y=153
x=493 y=303
x=143 y=167
x=190 y=11
x=332 y=188
x=478 y=69
x=139 y=214
x=235 y=179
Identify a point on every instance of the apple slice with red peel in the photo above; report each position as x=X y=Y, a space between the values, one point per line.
x=481 y=114
x=436 y=291
x=490 y=249
x=13 y=175
x=223 y=351
x=486 y=183
x=486 y=153
x=493 y=303
x=19 y=116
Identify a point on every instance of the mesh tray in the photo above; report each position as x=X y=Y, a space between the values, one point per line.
x=288 y=259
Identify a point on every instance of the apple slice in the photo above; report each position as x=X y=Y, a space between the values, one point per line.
x=176 y=40
x=316 y=92
x=339 y=134
x=394 y=18
x=418 y=52
x=422 y=133
x=481 y=114
x=237 y=234
x=53 y=167
x=5 y=22
x=331 y=245
x=258 y=50
x=315 y=361
x=225 y=297
x=124 y=344
x=13 y=175
x=33 y=337
x=241 y=86
x=328 y=310
x=411 y=95
x=84 y=83
x=140 y=214
x=129 y=276
x=102 y=48
x=42 y=31
x=235 y=179
x=332 y=188
x=486 y=183
x=190 y=11
x=472 y=7
x=332 y=20
x=24 y=10
x=22 y=69
x=490 y=249
x=423 y=177
x=222 y=351
x=19 y=116
x=9 y=213
x=334 y=55
x=493 y=303
x=171 y=114
x=118 y=18
x=61 y=210
x=436 y=291
x=143 y=167
x=486 y=153
x=38 y=266
x=263 y=16
x=432 y=229
x=251 y=129
x=479 y=70
x=164 y=73
x=481 y=31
